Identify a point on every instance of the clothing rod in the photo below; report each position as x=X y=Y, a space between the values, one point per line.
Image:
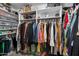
x=40 y=19
x=49 y=18
x=28 y=20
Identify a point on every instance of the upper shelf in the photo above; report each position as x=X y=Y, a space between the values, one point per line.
x=31 y=12
x=49 y=10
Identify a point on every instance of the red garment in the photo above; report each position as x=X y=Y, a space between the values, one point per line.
x=41 y=33
x=66 y=20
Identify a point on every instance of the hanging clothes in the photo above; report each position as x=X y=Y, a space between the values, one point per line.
x=66 y=20
x=2 y=46
x=52 y=36
x=45 y=33
x=55 y=39
x=35 y=32
x=48 y=38
x=69 y=31
x=41 y=33
x=58 y=29
x=5 y=44
x=22 y=31
x=14 y=42
x=29 y=36
x=29 y=33
x=75 y=49
x=41 y=37
x=65 y=31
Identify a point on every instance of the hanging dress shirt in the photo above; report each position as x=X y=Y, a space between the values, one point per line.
x=52 y=35
x=66 y=20
x=35 y=32
x=22 y=31
x=45 y=33
x=41 y=33
x=58 y=35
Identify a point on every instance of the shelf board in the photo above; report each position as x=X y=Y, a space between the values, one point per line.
x=7 y=33
x=9 y=17
x=3 y=53
x=7 y=12
x=7 y=29
x=8 y=21
x=7 y=25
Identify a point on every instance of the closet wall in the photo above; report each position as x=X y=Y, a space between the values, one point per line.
x=45 y=19
x=8 y=29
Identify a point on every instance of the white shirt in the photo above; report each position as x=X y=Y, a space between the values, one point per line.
x=52 y=35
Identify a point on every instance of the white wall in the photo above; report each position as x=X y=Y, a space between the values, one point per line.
x=67 y=4
x=38 y=7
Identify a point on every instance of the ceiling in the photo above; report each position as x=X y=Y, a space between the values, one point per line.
x=20 y=5
x=17 y=5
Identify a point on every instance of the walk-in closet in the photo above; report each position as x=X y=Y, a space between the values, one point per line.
x=39 y=29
